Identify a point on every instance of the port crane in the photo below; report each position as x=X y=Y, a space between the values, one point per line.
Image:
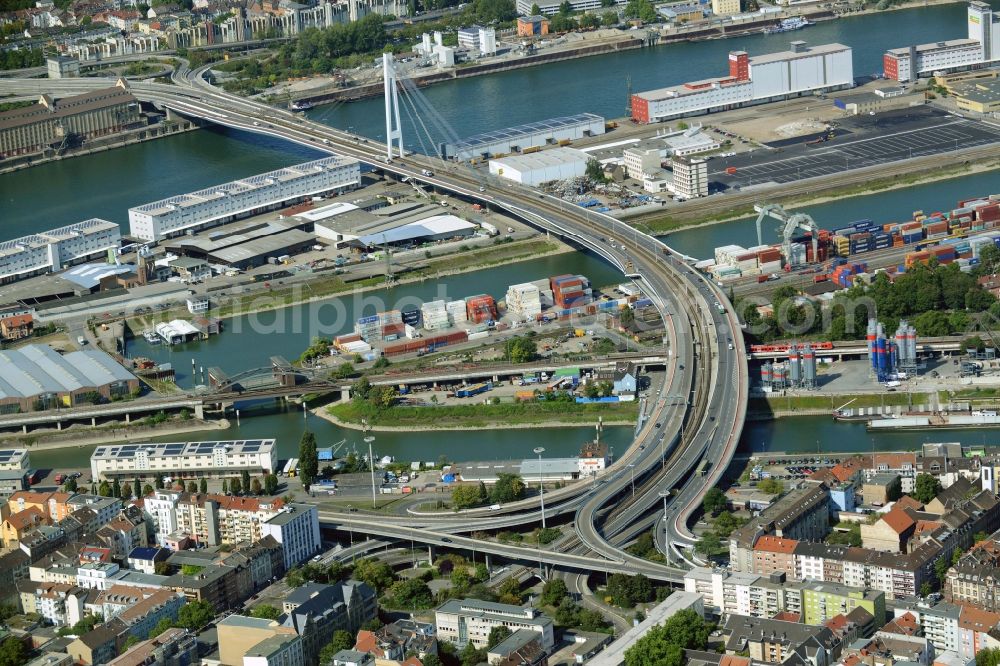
x=791 y=222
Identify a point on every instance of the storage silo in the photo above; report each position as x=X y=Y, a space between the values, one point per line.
x=872 y=330
x=765 y=375
x=794 y=368
x=808 y=367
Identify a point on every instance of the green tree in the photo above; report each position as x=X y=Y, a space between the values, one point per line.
x=70 y=485
x=105 y=489
x=609 y=19
x=565 y=8
x=116 y=488
x=508 y=488
x=470 y=656
x=536 y=10
x=376 y=573
x=925 y=588
x=466 y=496
x=271 y=484
x=595 y=172
x=988 y=656
x=708 y=545
x=225 y=486
x=771 y=486
x=941 y=568
x=341 y=640
x=136 y=487
x=926 y=488
x=360 y=389
x=161 y=626
x=308 y=459
x=412 y=593
x=131 y=641
x=642 y=10
x=147 y=490
x=255 y=487
x=195 y=615
x=664 y=644
x=714 y=502
x=382 y=397
x=498 y=635
x=265 y=612
x=554 y=591
x=203 y=485
x=13 y=652
x=192 y=486
x=245 y=481
x=521 y=350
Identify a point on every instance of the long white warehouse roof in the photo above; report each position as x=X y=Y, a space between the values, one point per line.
x=36 y=369
x=432 y=226
x=541 y=160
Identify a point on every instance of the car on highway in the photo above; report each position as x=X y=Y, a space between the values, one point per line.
x=445 y=540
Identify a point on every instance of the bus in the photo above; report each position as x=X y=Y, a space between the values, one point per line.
x=703 y=467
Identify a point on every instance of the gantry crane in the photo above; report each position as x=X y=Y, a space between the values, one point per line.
x=791 y=222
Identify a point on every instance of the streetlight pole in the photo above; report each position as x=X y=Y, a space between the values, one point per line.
x=539 y=450
x=631 y=469
x=371 y=460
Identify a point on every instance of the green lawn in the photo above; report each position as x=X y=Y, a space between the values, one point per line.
x=832 y=402
x=480 y=415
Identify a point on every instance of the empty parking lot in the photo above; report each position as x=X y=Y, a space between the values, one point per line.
x=865 y=141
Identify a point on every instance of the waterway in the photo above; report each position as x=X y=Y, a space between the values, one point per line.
x=107 y=184
x=287 y=426
x=600 y=84
x=883 y=207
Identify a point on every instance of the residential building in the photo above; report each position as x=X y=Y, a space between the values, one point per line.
x=216 y=584
x=822 y=601
x=975 y=579
x=184 y=459
x=16 y=525
x=145 y=558
x=885 y=649
x=13 y=568
x=461 y=621
x=243 y=198
x=522 y=648
x=802 y=515
x=882 y=488
x=174 y=647
x=773 y=554
x=690 y=177
x=61 y=604
x=51 y=124
x=100 y=645
x=37 y=378
x=394 y=641
x=54 y=505
x=17 y=327
x=296 y=528
x=352 y=658
x=775 y=641
x=891 y=532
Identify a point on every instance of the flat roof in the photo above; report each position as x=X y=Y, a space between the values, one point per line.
x=806 y=52
x=181 y=449
x=94 y=225
x=266 y=245
x=540 y=126
x=8 y=456
x=36 y=369
x=213 y=241
x=327 y=211
x=242 y=186
x=431 y=226
x=89 y=276
x=543 y=159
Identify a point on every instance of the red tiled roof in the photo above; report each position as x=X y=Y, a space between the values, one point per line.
x=27 y=518
x=773 y=544
x=905 y=624
x=898 y=520
x=907 y=502
x=17 y=320
x=977 y=619
x=787 y=616
x=366 y=642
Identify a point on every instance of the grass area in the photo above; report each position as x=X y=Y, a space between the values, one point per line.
x=479 y=415
x=870 y=186
x=325 y=285
x=832 y=402
x=970 y=394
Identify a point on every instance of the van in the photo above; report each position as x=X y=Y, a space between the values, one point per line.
x=494 y=507
x=81 y=340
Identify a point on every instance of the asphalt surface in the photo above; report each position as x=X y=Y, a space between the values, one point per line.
x=713 y=430
x=861 y=141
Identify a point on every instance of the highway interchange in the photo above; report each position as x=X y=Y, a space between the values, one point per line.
x=696 y=414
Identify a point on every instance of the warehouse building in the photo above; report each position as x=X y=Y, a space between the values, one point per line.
x=526 y=137
x=247 y=245
x=543 y=167
x=36 y=378
x=243 y=198
x=981 y=96
x=53 y=250
x=401 y=225
x=50 y=123
x=803 y=70
x=427 y=230
x=982 y=46
x=478 y=38
x=184 y=460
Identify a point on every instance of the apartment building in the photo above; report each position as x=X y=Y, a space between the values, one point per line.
x=239 y=634
x=174 y=647
x=14 y=460
x=296 y=528
x=690 y=177
x=184 y=459
x=775 y=641
x=822 y=601
x=976 y=578
x=62 y=604
x=803 y=515
x=462 y=621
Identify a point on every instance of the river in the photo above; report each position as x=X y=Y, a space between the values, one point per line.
x=107 y=184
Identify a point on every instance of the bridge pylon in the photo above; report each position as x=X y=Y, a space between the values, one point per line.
x=393 y=130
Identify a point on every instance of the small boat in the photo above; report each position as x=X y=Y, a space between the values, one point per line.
x=302 y=105
x=152 y=338
x=787 y=25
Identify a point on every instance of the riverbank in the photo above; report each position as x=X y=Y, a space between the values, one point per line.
x=313 y=291
x=121 y=140
x=851 y=184
x=72 y=438
x=482 y=417
x=774 y=407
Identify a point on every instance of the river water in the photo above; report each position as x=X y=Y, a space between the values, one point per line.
x=107 y=184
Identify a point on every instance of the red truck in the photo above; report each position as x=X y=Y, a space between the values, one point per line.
x=60 y=478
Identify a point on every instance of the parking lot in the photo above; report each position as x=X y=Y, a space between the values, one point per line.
x=861 y=141
x=791 y=467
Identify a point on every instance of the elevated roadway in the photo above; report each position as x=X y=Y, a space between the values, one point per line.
x=708 y=359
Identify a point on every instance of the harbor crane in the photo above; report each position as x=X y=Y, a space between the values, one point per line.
x=791 y=222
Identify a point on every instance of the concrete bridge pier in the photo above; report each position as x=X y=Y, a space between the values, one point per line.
x=199 y=411
x=345 y=395
x=128 y=417
x=58 y=425
x=93 y=421
x=488 y=567
x=496 y=379
x=24 y=429
x=430 y=554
